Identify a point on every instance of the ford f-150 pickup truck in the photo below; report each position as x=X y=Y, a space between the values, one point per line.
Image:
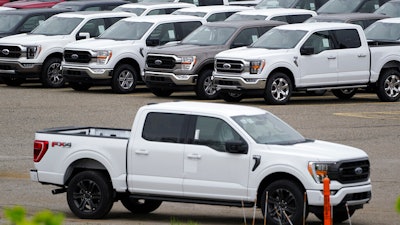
x=309 y=56
x=189 y=64
x=209 y=153
x=38 y=54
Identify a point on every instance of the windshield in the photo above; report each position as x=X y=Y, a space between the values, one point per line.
x=126 y=30
x=279 y=39
x=8 y=22
x=238 y=17
x=315 y=19
x=57 y=26
x=198 y=14
x=268 y=129
x=137 y=11
x=206 y=35
x=267 y=4
x=339 y=6
x=391 y=9
x=380 y=31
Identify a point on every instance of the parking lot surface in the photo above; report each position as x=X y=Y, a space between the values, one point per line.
x=363 y=122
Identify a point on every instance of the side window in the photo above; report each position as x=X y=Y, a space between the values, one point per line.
x=217 y=17
x=298 y=18
x=245 y=37
x=214 y=133
x=94 y=27
x=280 y=18
x=348 y=38
x=163 y=33
x=93 y=8
x=369 y=6
x=170 y=10
x=262 y=30
x=31 y=23
x=156 y=12
x=185 y=28
x=164 y=127
x=319 y=41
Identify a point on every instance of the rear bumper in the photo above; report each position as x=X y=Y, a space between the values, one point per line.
x=34 y=175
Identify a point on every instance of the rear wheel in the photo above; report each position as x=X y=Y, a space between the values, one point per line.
x=124 y=79
x=205 y=89
x=388 y=86
x=51 y=73
x=285 y=203
x=278 y=89
x=230 y=96
x=14 y=82
x=90 y=195
x=140 y=206
x=344 y=94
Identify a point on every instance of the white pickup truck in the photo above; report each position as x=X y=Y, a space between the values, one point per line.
x=38 y=54
x=206 y=153
x=309 y=57
x=117 y=57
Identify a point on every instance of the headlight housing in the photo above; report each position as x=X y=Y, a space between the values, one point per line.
x=187 y=62
x=32 y=51
x=319 y=170
x=256 y=66
x=103 y=56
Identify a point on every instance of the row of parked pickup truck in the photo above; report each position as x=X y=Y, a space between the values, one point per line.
x=211 y=60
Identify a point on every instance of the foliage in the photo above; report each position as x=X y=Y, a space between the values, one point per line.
x=398 y=205
x=17 y=216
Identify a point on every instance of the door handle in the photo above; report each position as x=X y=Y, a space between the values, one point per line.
x=331 y=57
x=362 y=55
x=194 y=156
x=142 y=152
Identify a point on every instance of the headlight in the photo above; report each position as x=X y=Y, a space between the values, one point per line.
x=256 y=66
x=319 y=170
x=187 y=62
x=103 y=56
x=32 y=51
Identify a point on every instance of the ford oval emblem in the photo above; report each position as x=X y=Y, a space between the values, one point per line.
x=158 y=62
x=358 y=171
x=226 y=66
x=5 y=51
x=74 y=56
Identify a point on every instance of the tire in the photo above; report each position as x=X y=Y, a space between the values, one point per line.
x=338 y=216
x=124 y=79
x=13 y=82
x=230 y=96
x=79 y=86
x=388 y=86
x=140 y=206
x=344 y=94
x=161 y=92
x=205 y=89
x=51 y=73
x=285 y=202
x=278 y=89
x=90 y=195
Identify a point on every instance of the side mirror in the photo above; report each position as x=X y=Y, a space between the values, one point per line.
x=83 y=35
x=238 y=147
x=152 y=42
x=306 y=50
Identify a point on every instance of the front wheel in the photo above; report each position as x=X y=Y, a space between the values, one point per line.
x=388 y=86
x=285 y=203
x=124 y=79
x=140 y=206
x=278 y=89
x=51 y=73
x=205 y=89
x=90 y=195
x=344 y=94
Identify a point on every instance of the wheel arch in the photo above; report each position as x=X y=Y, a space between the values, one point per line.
x=84 y=165
x=131 y=62
x=286 y=71
x=274 y=177
x=206 y=66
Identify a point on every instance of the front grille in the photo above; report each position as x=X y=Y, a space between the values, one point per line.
x=164 y=62
x=350 y=171
x=230 y=66
x=10 y=51
x=77 y=56
x=227 y=82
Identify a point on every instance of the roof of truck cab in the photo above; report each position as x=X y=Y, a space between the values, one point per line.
x=214 y=8
x=94 y=14
x=349 y=16
x=246 y=23
x=206 y=108
x=277 y=12
x=319 y=26
x=390 y=20
x=167 y=17
x=157 y=5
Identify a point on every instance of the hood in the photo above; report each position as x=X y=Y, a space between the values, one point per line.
x=251 y=53
x=100 y=44
x=31 y=39
x=180 y=49
x=321 y=151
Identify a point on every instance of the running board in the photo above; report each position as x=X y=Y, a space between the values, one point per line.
x=336 y=87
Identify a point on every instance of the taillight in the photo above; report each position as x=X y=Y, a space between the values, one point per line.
x=39 y=149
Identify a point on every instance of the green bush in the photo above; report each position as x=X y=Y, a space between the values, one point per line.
x=17 y=216
x=398 y=205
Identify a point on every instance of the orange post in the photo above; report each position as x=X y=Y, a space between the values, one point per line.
x=327 y=202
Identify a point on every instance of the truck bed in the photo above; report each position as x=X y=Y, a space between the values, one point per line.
x=89 y=131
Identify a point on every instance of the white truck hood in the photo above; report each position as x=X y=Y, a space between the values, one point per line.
x=100 y=44
x=321 y=151
x=251 y=53
x=33 y=39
